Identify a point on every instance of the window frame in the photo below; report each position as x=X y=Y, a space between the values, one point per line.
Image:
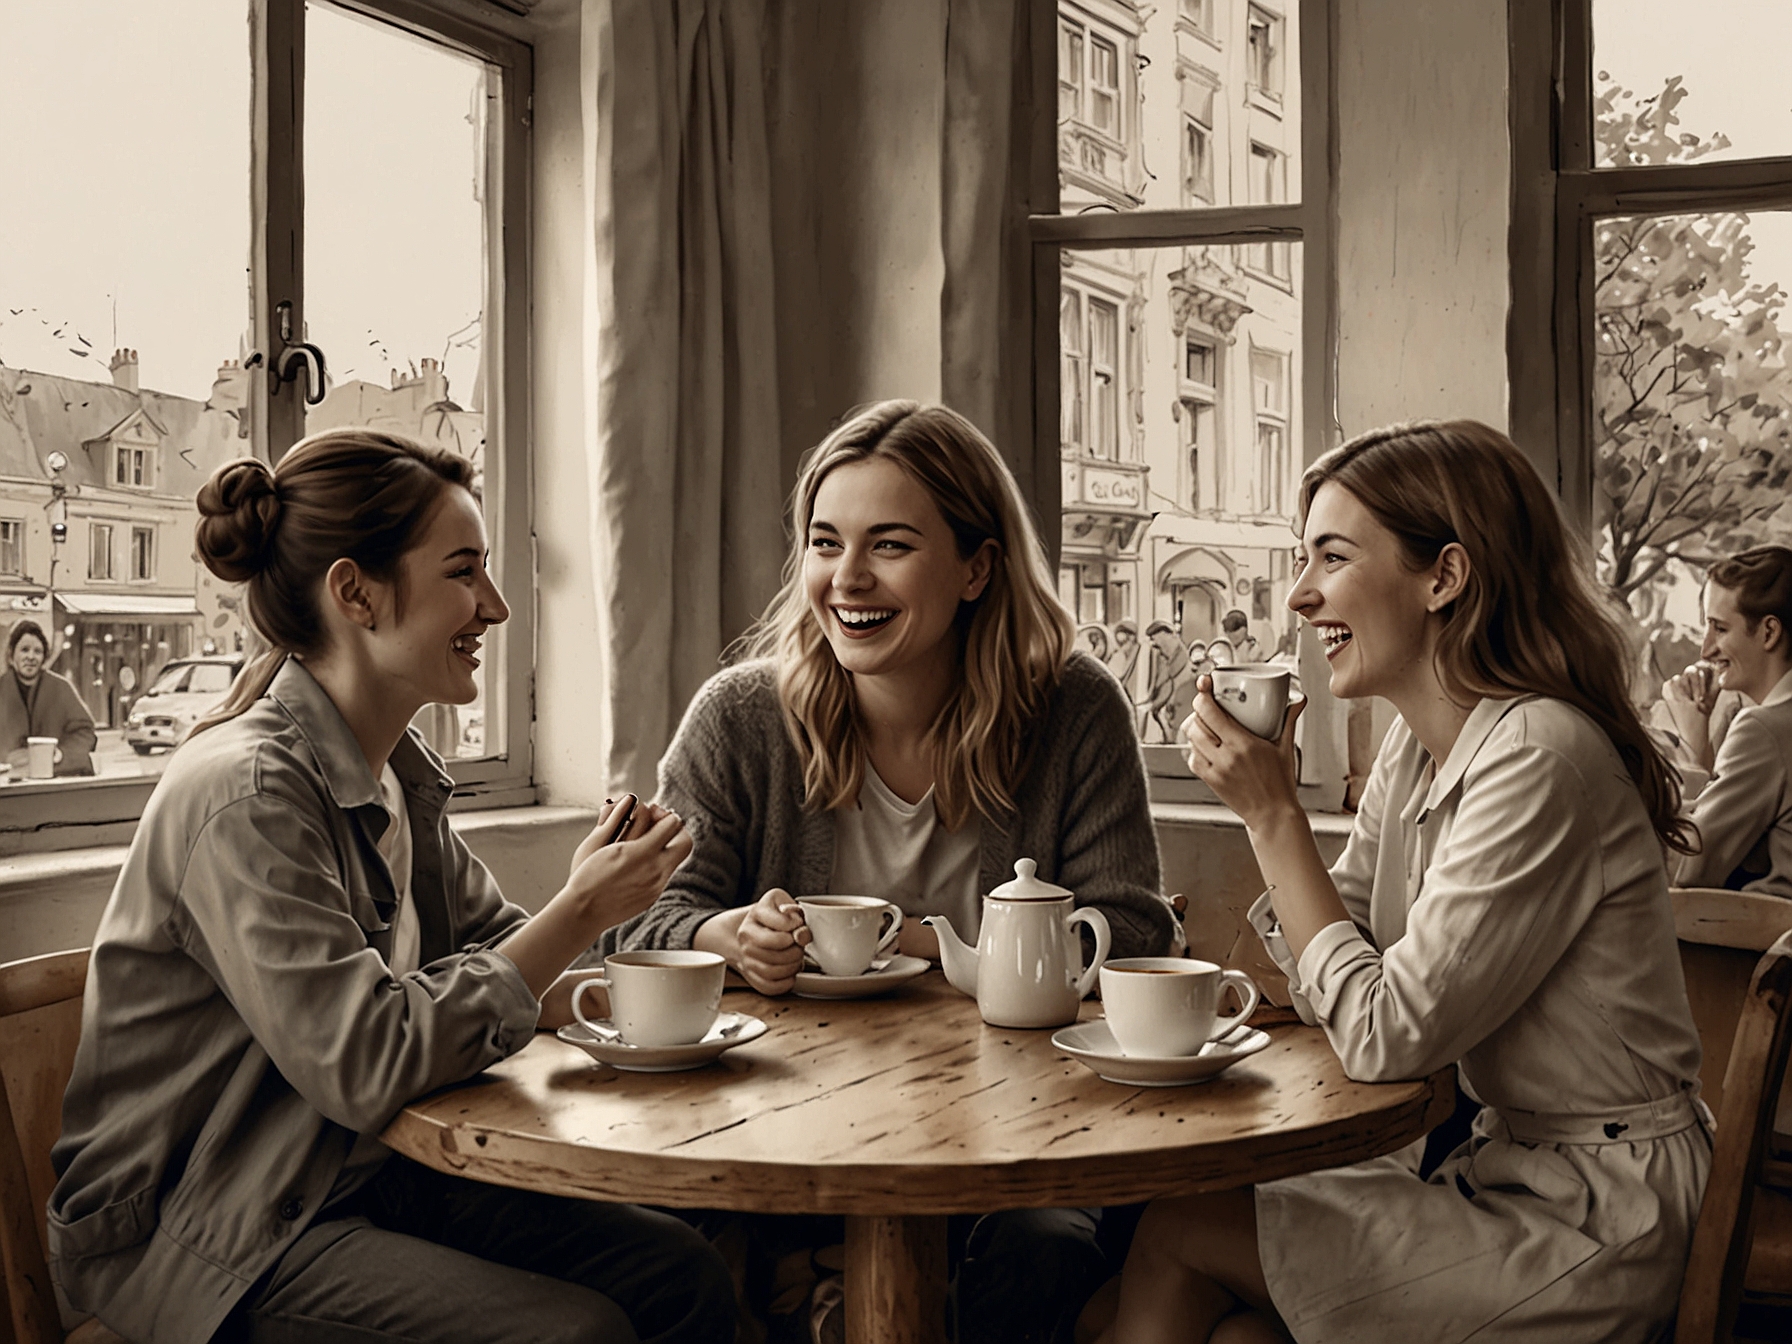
x=73 y=814
x=1310 y=221
x=147 y=532
x=1558 y=196
x=95 y=528
x=17 y=543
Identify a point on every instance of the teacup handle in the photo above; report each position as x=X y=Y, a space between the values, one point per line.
x=889 y=935
x=578 y=996
x=1247 y=993
x=1098 y=925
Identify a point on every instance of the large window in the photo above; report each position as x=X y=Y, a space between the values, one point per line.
x=1189 y=364
x=314 y=226
x=1666 y=414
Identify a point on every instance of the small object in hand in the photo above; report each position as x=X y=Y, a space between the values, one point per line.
x=628 y=805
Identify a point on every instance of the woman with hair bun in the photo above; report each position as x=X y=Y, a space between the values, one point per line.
x=1743 y=815
x=1501 y=906
x=910 y=719
x=298 y=944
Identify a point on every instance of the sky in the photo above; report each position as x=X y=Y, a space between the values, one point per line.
x=130 y=145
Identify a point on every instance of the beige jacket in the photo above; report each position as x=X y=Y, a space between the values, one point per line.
x=241 y=1025
x=1744 y=814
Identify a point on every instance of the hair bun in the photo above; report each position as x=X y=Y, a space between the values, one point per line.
x=239 y=513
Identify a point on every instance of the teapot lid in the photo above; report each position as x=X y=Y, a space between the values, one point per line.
x=1027 y=887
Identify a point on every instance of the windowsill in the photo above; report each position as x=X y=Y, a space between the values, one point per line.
x=1217 y=815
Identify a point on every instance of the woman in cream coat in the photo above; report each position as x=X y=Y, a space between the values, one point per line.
x=1501 y=904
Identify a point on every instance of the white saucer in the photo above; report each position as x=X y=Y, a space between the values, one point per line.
x=1093 y=1044
x=880 y=979
x=607 y=1047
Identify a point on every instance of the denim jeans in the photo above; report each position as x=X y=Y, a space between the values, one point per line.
x=415 y=1255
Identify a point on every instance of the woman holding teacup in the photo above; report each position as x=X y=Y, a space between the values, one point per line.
x=299 y=943
x=1501 y=905
x=911 y=720
x=1741 y=813
x=41 y=709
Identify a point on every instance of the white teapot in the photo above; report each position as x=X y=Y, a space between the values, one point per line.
x=1027 y=968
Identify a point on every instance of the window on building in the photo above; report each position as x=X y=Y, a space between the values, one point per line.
x=1104 y=87
x=1189 y=517
x=1198 y=13
x=99 y=550
x=1649 y=318
x=143 y=553
x=12 y=546
x=1269 y=411
x=406 y=197
x=1268 y=185
x=1263 y=51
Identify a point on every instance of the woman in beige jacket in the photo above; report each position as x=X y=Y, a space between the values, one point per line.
x=1501 y=905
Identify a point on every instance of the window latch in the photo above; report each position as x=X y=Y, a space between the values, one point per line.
x=298 y=360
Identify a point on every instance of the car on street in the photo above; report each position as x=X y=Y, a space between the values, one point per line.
x=186 y=691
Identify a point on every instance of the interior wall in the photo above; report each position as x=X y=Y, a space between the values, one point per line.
x=1424 y=184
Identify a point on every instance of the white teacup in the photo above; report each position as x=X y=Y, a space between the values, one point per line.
x=41 y=755
x=658 y=998
x=1163 y=1007
x=847 y=932
x=1256 y=694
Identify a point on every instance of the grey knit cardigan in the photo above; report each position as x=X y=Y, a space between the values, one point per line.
x=1082 y=813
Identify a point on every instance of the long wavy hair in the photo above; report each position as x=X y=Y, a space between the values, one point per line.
x=1014 y=639
x=1531 y=620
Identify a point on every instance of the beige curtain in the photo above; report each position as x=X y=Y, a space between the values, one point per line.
x=795 y=206
x=688 y=479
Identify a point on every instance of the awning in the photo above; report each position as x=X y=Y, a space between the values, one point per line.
x=125 y=604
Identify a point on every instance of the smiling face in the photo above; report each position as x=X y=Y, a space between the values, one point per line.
x=431 y=650
x=882 y=571
x=28 y=658
x=1372 y=613
x=1749 y=661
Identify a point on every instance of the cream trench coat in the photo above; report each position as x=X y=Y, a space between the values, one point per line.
x=1508 y=913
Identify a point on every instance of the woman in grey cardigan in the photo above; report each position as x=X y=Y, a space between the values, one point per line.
x=910 y=721
x=299 y=944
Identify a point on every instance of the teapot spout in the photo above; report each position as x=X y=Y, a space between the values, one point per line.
x=958 y=961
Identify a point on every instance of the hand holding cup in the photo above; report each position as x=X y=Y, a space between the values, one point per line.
x=1252 y=775
x=772 y=936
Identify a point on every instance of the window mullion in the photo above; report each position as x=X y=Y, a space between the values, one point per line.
x=277 y=217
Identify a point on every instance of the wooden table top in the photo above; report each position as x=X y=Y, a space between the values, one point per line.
x=906 y=1104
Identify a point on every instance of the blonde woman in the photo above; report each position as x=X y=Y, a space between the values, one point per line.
x=911 y=720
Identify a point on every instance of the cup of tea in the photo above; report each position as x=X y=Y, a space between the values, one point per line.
x=1256 y=694
x=658 y=998
x=1163 y=1007
x=847 y=932
x=41 y=755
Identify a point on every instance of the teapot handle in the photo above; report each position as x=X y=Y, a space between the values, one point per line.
x=1098 y=925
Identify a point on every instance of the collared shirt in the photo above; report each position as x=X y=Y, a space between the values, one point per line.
x=1744 y=814
x=242 y=1023
x=1508 y=910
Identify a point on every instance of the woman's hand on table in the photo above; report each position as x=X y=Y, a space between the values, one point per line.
x=556 y=1004
x=1251 y=775
x=763 y=941
x=917 y=940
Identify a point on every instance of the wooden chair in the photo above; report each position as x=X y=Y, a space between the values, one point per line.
x=40 y=1023
x=1740 y=1246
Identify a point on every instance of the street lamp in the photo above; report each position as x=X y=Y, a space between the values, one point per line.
x=57 y=462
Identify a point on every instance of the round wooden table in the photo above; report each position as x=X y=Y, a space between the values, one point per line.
x=895 y=1112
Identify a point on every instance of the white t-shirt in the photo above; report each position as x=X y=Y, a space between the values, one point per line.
x=900 y=851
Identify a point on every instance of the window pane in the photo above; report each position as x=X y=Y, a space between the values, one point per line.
x=1188 y=517
x=396 y=257
x=1134 y=84
x=1673 y=82
x=1692 y=412
x=124 y=311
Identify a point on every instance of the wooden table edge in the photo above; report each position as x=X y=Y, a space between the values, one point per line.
x=531 y=1162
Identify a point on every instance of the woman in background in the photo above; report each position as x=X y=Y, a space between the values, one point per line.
x=1744 y=813
x=910 y=720
x=1501 y=905
x=36 y=702
x=299 y=943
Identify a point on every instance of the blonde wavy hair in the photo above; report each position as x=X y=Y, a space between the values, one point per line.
x=1014 y=640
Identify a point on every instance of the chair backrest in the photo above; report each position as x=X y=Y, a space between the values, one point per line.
x=1722 y=935
x=40 y=1024
x=1712 y=1289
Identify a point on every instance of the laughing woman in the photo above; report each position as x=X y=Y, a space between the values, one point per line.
x=1501 y=905
x=911 y=720
x=299 y=943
